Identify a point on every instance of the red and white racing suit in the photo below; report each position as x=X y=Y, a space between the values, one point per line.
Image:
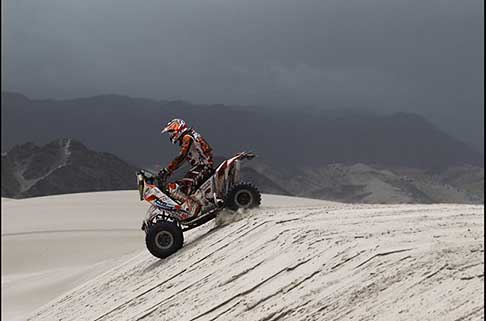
x=196 y=150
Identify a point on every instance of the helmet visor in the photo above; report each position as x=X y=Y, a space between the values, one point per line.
x=167 y=127
x=172 y=135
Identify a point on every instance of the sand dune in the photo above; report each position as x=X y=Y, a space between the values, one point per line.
x=52 y=244
x=292 y=259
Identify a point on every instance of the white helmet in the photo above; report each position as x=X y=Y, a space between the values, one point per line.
x=176 y=128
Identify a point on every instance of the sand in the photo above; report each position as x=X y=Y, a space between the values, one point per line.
x=292 y=259
x=52 y=244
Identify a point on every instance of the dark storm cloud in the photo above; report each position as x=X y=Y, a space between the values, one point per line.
x=413 y=55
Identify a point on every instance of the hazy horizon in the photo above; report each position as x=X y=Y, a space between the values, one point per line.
x=268 y=108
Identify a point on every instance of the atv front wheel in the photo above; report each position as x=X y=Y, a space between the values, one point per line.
x=243 y=195
x=163 y=239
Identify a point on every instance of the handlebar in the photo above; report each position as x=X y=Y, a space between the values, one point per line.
x=144 y=175
x=246 y=155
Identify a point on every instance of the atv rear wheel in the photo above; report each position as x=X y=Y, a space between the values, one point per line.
x=164 y=238
x=243 y=195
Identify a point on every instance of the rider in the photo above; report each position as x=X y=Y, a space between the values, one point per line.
x=197 y=152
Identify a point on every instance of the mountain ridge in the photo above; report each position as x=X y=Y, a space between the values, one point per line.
x=130 y=127
x=62 y=166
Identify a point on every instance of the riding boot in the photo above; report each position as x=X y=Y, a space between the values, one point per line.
x=176 y=193
x=195 y=206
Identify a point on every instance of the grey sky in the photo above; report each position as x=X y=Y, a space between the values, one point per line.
x=422 y=56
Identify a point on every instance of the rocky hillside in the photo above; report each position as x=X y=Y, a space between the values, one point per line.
x=363 y=183
x=67 y=166
x=62 y=166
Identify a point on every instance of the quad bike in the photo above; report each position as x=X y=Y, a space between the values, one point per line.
x=167 y=218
